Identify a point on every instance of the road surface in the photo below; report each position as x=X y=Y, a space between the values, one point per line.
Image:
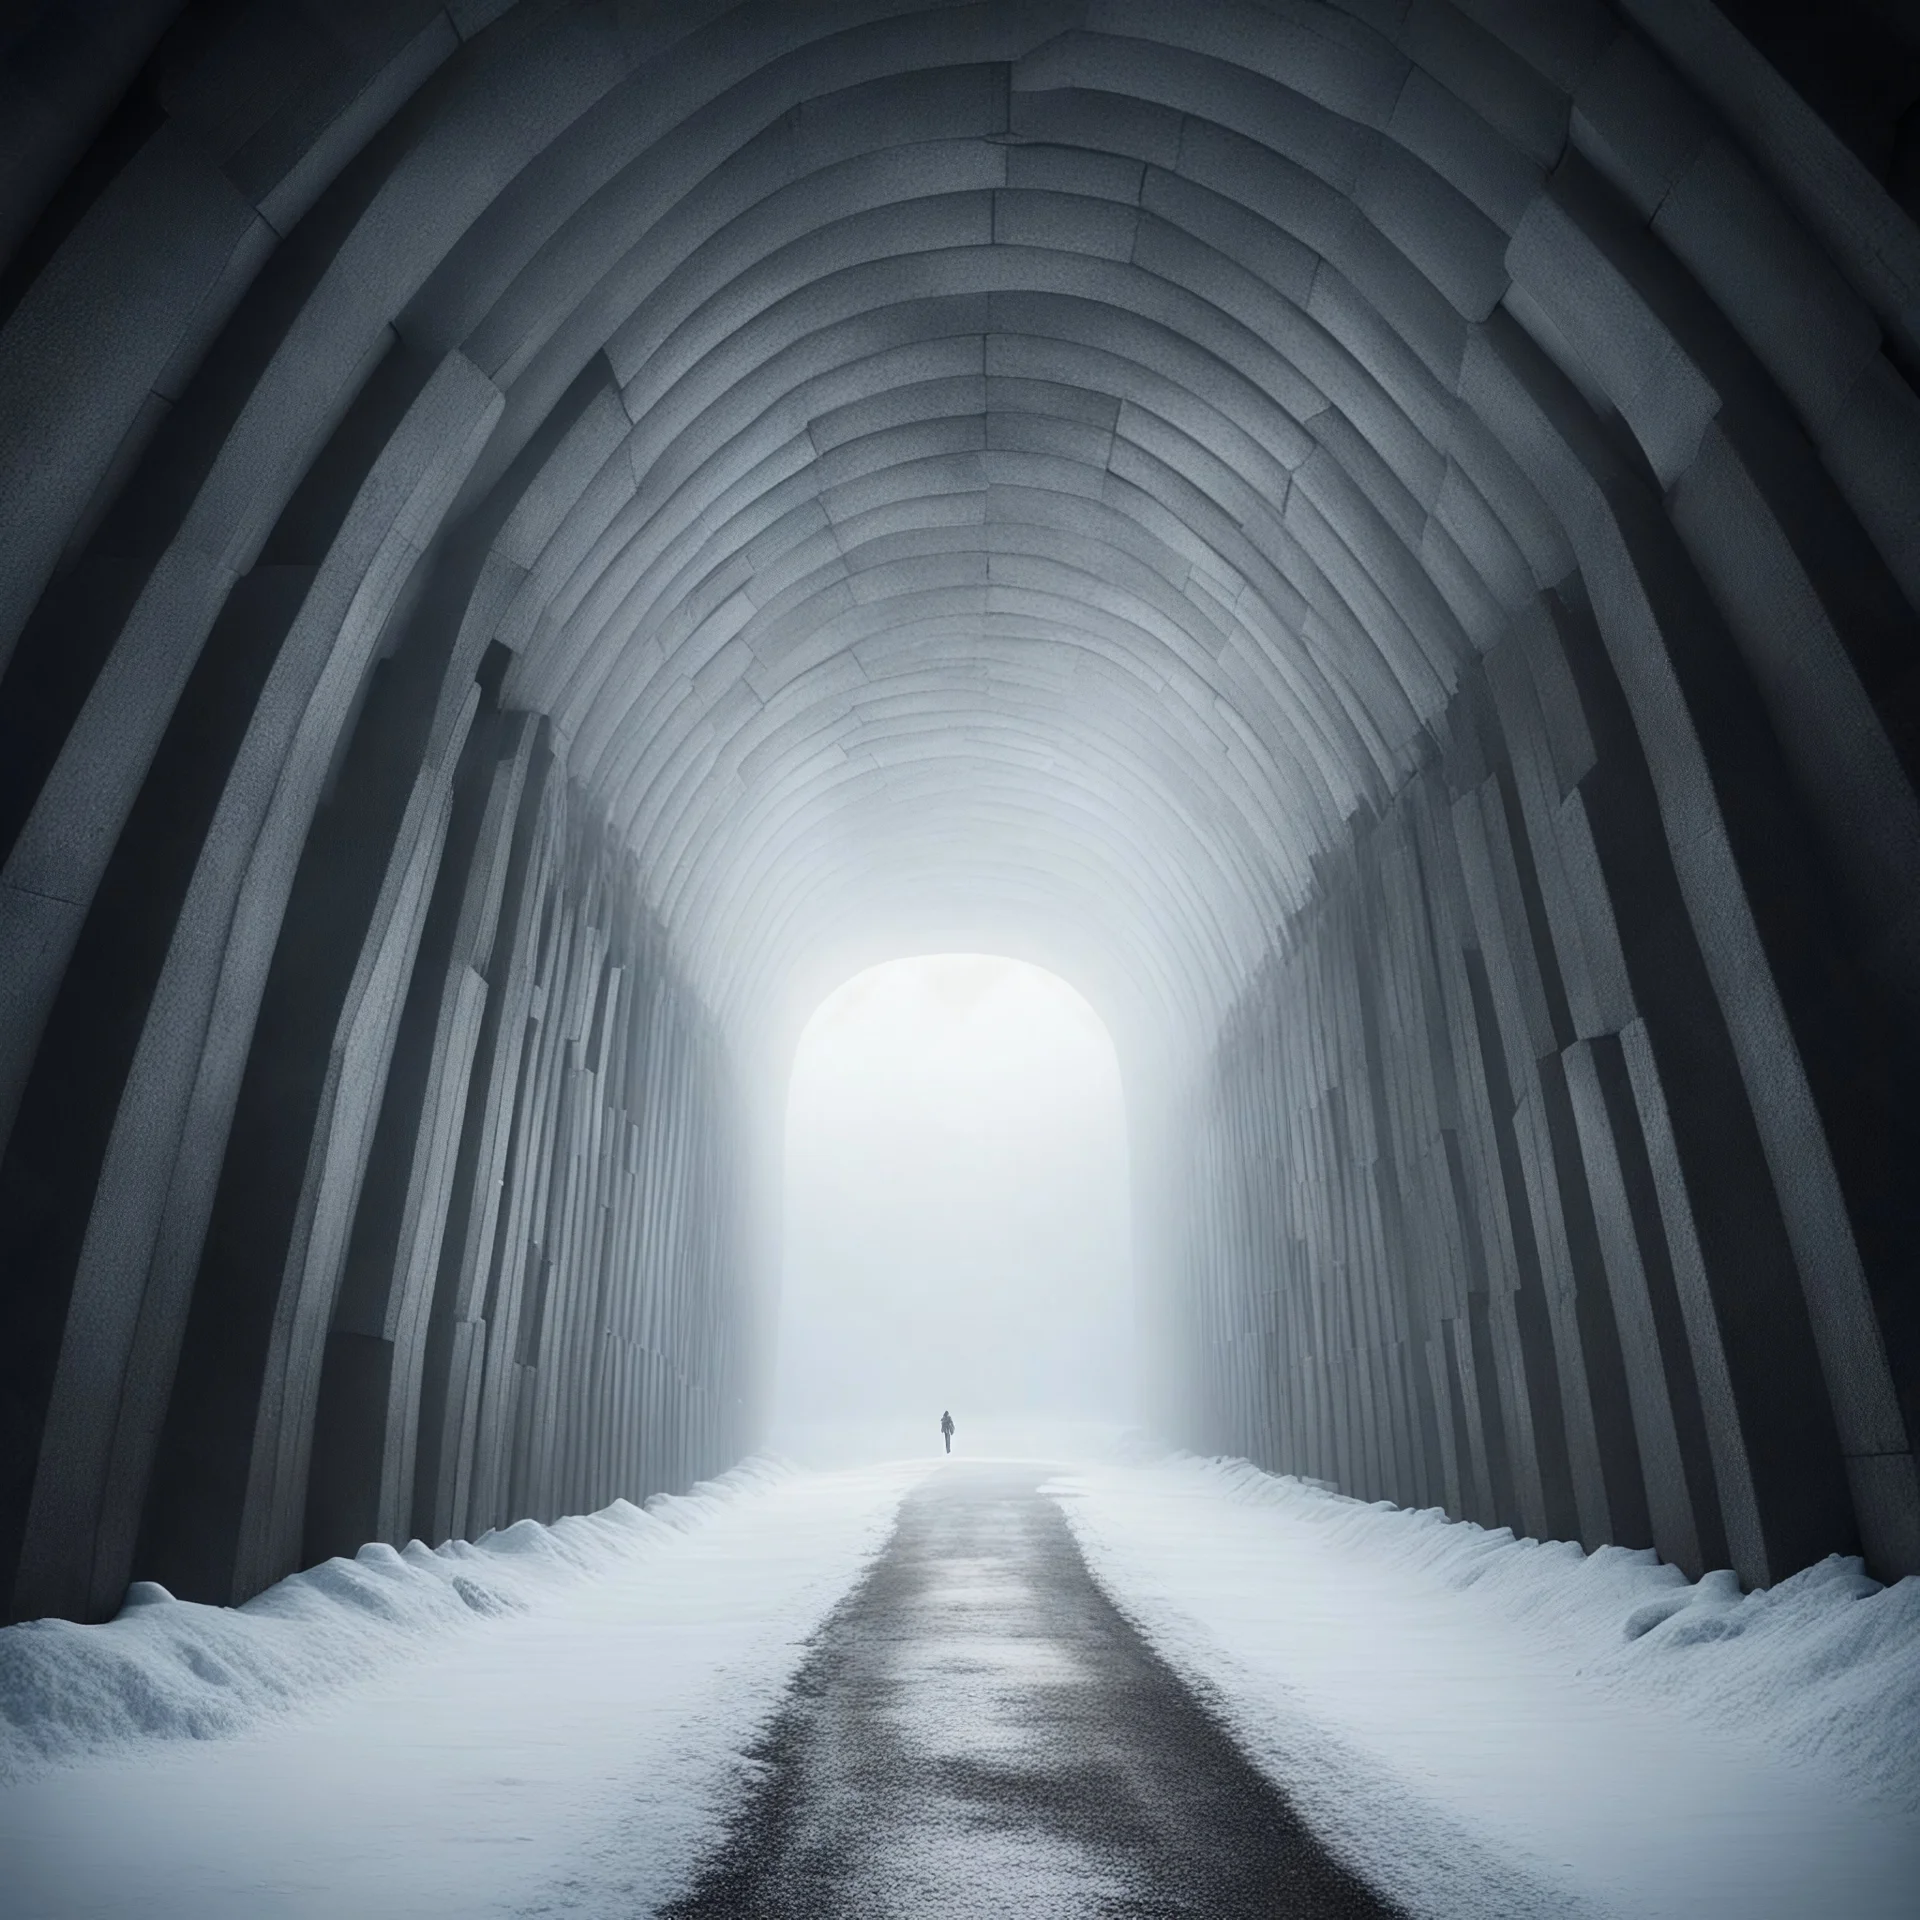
x=978 y=1732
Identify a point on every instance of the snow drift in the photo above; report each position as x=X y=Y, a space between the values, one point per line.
x=167 y=1669
x=1484 y=1725
x=553 y=1719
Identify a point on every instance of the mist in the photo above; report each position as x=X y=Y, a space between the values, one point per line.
x=956 y=1226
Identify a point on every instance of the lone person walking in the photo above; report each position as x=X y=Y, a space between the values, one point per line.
x=946 y=1430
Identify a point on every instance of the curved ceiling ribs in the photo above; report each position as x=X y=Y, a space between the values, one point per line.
x=1063 y=355
x=1072 y=477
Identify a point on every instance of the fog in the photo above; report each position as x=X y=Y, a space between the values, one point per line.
x=956 y=1228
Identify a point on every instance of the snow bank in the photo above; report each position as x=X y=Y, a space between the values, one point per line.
x=1803 y=1669
x=550 y=1720
x=1491 y=1726
x=169 y=1669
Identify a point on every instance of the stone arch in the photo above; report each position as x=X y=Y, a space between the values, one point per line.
x=1380 y=537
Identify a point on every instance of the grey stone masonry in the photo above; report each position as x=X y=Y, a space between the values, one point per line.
x=1380 y=540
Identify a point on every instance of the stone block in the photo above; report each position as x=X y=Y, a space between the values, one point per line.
x=1560 y=42
x=94 y=335
x=1635 y=360
x=1448 y=238
x=1438 y=127
x=1637 y=124
x=1502 y=85
x=1660 y=1384
x=1810 y=330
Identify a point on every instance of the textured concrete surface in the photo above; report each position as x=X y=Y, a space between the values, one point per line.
x=1381 y=541
x=978 y=1732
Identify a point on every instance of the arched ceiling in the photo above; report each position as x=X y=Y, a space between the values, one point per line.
x=1028 y=501
x=1034 y=478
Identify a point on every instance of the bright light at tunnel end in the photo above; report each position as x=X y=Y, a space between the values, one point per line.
x=956 y=1221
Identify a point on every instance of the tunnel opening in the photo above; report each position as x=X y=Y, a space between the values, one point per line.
x=956 y=1227
x=1379 y=540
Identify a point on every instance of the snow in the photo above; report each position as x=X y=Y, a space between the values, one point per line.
x=548 y=1721
x=554 y=1719
x=1490 y=1726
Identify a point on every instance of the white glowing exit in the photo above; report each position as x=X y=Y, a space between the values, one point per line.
x=956 y=1216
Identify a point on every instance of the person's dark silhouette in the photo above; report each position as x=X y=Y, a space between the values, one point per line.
x=946 y=1430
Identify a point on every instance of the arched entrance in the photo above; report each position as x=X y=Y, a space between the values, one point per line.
x=956 y=1225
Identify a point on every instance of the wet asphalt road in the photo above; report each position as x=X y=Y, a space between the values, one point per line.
x=978 y=1732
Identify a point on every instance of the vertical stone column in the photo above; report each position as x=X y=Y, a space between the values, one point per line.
x=1540 y=1267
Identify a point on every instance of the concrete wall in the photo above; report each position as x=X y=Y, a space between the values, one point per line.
x=1490 y=1217
x=1381 y=539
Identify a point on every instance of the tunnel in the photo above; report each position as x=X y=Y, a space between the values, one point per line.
x=1378 y=539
